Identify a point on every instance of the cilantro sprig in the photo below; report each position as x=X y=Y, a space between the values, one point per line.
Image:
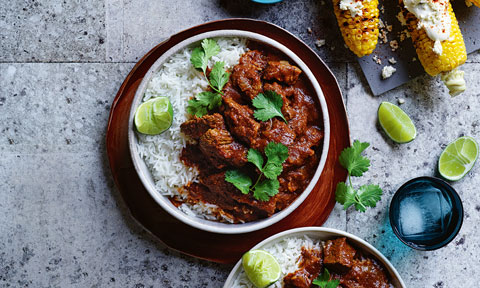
x=217 y=78
x=269 y=105
x=267 y=184
x=365 y=196
x=323 y=280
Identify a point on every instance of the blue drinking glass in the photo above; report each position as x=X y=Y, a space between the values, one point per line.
x=426 y=213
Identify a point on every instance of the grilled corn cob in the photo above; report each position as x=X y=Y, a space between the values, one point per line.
x=360 y=30
x=453 y=52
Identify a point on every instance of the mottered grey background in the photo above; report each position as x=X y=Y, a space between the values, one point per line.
x=62 y=221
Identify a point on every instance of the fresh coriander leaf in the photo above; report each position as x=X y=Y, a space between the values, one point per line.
x=333 y=284
x=239 y=180
x=202 y=101
x=210 y=47
x=272 y=170
x=196 y=108
x=345 y=195
x=210 y=99
x=266 y=189
x=323 y=280
x=369 y=195
x=269 y=105
x=198 y=59
x=255 y=157
x=352 y=160
x=218 y=76
x=276 y=152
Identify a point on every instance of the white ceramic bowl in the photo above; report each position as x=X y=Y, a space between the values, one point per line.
x=146 y=176
x=320 y=233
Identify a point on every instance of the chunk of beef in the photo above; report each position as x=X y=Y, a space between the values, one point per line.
x=338 y=255
x=287 y=109
x=247 y=78
x=247 y=74
x=221 y=149
x=198 y=126
x=282 y=71
x=275 y=130
x=300 y=106
x=255 y=58
x=216 y=184
x=309 y=268
x=241 y=122
x=296 y=179
x=231 y=208
x=365 y=273
x=302 y=148
x=229 y=92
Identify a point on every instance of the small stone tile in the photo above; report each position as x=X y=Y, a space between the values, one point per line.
x=439 y=119
x=65 y=226
x=474 y=57
x=43 y=31
x=143 y=29
x=56 y=107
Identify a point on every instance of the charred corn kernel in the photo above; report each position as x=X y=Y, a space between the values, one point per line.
x=476 y=2
x=453 y=52
x=360 y=32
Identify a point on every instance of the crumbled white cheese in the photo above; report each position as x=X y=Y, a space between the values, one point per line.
x=387 y=71
x=355 y=7
x=392 y=60
x=377 y=60
x=320 y=42
x=401 y=19
x=437 y=47
x=309 y=30
x=394 y=45
x=381 y=24
x=433 y=16
x=401 y=101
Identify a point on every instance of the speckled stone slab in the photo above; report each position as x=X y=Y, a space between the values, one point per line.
x=43 y=31
x=62 y=221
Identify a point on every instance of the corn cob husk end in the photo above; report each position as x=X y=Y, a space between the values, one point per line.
x=455 y=81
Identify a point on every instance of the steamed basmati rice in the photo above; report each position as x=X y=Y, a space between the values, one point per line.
x=179 y=81
x=287 y=252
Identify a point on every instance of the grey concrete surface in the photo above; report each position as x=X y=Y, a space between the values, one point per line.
x=62 y=222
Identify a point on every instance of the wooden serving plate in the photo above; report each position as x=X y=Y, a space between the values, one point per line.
x=223 y=248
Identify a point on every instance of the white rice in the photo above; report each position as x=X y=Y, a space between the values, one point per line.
x=179 y=81
x=287 y=252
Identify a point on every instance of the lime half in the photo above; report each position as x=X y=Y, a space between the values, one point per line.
x=458 y=158
x=396 y=123
x=154 y=116
x=261 y=268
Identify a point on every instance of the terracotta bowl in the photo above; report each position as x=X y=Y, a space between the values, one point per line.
x=146 y=177
x=323 y=234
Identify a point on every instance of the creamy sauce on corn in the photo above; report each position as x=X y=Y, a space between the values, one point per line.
x=355 y=7
x=433 y=16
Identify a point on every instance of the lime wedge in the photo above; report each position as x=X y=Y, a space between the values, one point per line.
x=154 y=116
x=396 y=123
x=458 y=158
x=261 y=268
